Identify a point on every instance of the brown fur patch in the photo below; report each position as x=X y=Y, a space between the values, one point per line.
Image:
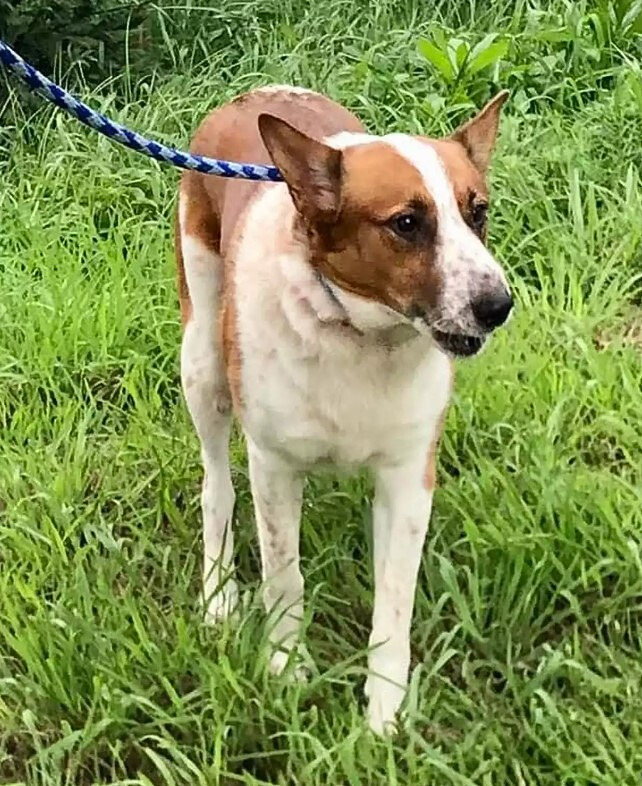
x=200 y=223
x=461 y=171
x=181 y=282
x=231 y=132
x=361 y=252
x=231 y=350
x=430 y=473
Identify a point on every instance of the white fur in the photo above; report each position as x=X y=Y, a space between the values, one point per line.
x=315 y=392
x=207 y=397
x=345 y=139
x=292 y=89
x=400 y=519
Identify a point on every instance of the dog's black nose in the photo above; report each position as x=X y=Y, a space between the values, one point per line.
x=492 y=310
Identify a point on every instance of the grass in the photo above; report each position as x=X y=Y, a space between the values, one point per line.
x=528 y=622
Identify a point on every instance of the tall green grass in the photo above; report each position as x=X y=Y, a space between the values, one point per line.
x=527 y=632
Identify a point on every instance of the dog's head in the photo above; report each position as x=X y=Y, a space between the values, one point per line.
x=397 y=224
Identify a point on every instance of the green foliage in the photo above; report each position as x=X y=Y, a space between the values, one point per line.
x=528 y=624
x=459 y=62
x=91 y=31
x=560 y=53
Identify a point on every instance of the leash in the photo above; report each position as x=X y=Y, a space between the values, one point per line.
x=135 y=141
x=124 y=136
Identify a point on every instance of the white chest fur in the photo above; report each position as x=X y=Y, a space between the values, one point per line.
x=314 y=392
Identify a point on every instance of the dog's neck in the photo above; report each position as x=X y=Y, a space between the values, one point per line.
x=329 y=289
x=313 y=303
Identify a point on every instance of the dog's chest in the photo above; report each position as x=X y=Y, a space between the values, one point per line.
x=310 y=391
x=336 y=402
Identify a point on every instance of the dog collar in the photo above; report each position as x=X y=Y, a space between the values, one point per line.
x=330 y=292
x=334 y=298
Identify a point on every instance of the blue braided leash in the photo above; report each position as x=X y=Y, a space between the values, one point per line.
x=131 y=139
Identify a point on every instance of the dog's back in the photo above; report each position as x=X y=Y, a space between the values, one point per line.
x=214 y=204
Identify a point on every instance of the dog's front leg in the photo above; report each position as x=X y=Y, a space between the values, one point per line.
x=277 y=491
x=403 y=500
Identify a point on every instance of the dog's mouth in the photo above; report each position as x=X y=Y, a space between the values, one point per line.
x=458 y=344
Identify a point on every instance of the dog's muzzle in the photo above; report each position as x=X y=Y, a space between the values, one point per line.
x=490 y=310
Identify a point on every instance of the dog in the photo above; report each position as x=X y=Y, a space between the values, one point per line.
x=325 y=312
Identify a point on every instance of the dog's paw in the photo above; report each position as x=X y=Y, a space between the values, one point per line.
x=222 y=604
x=289 y=665
x=384 y=700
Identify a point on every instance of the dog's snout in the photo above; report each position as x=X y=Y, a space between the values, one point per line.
x=492 y=309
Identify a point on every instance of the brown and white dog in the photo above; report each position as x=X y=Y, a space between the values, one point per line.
x=325 y=312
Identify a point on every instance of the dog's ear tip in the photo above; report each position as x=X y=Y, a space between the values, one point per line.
x=268 y=119
x=500 y=98
x=270 y=125
x=265 y=119
x=503 y=95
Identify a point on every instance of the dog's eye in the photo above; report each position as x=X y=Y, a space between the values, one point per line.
x=478 y=216
x=406 y=225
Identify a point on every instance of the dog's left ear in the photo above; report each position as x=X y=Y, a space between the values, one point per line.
x=478 y=135
x=311 y=169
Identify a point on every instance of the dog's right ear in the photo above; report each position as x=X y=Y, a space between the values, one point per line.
x=311 y=169
x=478 y=135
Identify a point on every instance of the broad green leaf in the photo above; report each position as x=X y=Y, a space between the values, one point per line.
x=488 y=56
x=437 y=58
x=441 y=38
x=457 y=53
x=482 y=45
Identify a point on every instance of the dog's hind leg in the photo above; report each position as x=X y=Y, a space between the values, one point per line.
x=200 y=272
x=277 y=491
